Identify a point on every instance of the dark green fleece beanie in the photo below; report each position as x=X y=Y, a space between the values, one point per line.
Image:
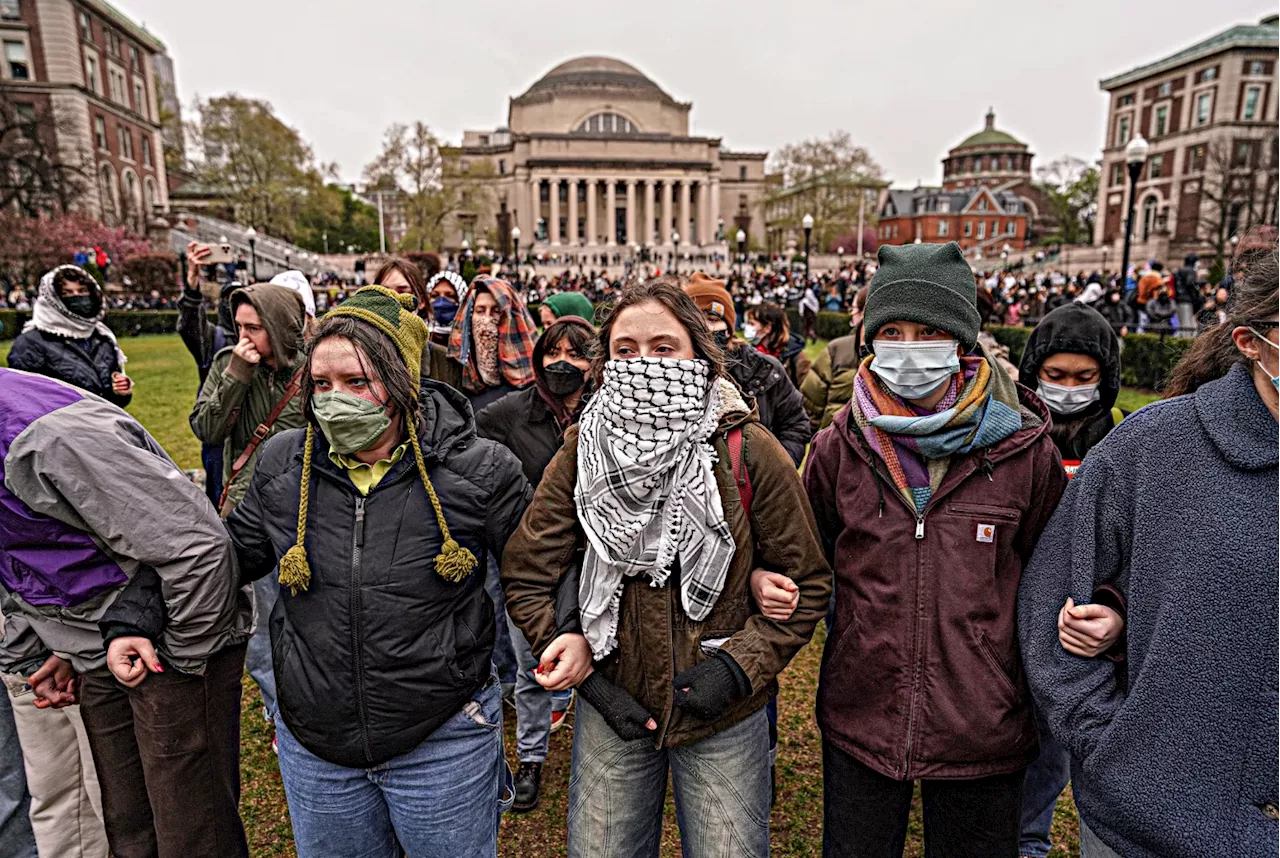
x=930 y=284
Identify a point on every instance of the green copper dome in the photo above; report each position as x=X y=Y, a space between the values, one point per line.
x=990 y=136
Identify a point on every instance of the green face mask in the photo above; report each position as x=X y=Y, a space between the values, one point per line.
x=350 y=424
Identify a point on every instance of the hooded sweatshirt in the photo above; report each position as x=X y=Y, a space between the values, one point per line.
x=1080 y=330
x=229 y=409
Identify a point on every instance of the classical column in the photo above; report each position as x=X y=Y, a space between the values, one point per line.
x=686 y=234
x=631 y=211
x=715 y=205
x=610 y=212
x=704 y=216
x=592 y=232
x=650 y=209
x=664 y=228
x=553 y=231
x=573 y=212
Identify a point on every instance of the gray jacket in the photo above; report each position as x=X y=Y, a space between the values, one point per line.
x=87 y=500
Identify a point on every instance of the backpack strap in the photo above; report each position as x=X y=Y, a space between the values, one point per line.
x=741 y=475
x=1116 y=416
x=259 y=435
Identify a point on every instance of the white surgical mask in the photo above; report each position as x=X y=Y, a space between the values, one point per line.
x=1067 y=400
x=915 y=370
x=751 y=332
x=1275 y=379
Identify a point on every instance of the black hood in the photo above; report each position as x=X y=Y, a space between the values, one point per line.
x=793 y=345
x=1077 y=329
x=447 y=419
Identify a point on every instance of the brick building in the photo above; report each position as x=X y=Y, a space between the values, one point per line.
x=987 y=201
x=1209 y=114
x=85 y=63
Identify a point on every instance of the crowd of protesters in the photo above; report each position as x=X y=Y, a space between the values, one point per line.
x=639 y=497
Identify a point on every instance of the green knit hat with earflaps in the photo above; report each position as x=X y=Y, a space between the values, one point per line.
x=387 y=311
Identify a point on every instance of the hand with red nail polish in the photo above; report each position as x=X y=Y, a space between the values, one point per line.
x=129 y=659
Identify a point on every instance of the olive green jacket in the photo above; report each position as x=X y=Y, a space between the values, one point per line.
x=828 y=387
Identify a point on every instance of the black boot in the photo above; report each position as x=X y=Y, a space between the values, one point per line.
x=528 y=782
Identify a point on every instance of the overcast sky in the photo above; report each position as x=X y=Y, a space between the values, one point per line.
x=908 y=79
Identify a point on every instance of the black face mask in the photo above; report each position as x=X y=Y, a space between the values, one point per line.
x=81 y=305
x=563 y=378
x=721 y=338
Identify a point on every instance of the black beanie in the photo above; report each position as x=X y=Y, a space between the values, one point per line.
x=929 y=284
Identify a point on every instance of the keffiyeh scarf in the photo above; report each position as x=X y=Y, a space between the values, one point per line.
x=51 y=316
x=980 y=409
x=646 y=492
x=516 y=337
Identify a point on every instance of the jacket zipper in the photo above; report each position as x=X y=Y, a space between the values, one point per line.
x=915 y=659
x=357 y=662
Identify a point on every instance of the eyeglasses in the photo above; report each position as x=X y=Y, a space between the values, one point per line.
x=1264 y=324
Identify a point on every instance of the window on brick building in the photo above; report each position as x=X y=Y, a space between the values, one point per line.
x=1209 y=74
x=1251 y=97
x=10 y=10
x=1155 y=167
x=968 y=228
x=1166 y=89
x=1117 y=173
x=1126 y=100
x=1256 y=67
x=943 y=228
x=1204 y=103
x=135 y=61
x=139 y=98
x=91 y=73
x=1195 y=158
x=146 y=151
x=1122 y=130
x=100 y=132
x=742 y=173
x=1010 y=228
x=113 y=43
x=27 y=118
x=125 y=138
x=86 y=27
x=15 y=54
x=982 y=229
x=1161 y=126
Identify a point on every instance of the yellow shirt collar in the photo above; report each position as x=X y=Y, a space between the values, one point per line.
x=364 y=476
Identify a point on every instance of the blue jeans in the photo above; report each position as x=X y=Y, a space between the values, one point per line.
x=504 y=653
x=617 y=789
x=442 y=799
x=1046 y=778
x=533 y=704
x=257 y=659
x=17 y=840
x=1091 y=845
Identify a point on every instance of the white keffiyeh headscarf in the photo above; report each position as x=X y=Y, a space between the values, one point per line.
x=646 y=491
x=52 y=316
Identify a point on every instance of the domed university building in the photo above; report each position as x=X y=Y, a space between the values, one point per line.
x=596 y=155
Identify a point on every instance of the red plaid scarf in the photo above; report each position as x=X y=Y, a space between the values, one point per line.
x=516 y=336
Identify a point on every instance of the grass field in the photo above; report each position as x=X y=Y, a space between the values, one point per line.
x=166 y=386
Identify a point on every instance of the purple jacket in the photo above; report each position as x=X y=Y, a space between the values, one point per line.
x=87 y=499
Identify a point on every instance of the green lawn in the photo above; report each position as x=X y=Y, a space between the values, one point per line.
x=166 y=387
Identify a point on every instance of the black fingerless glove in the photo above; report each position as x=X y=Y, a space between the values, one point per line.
x=618 y=708
x=708 y=689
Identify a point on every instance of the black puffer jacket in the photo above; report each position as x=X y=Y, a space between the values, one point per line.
x=1080 y=330
x=380 y=651
x=88 y=363
x=780 y=404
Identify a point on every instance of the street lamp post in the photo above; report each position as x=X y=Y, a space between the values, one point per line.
x=252 y=235
x=840 y=257
x=515 y=249
x=742 y=251
x=1004 y=260
x=324 y=236
x=675 y=243
x=807 y=222
x=1135 y=154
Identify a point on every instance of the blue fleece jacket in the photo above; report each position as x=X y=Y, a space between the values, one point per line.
x=1178 y=508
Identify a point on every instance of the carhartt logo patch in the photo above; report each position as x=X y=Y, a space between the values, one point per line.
x=717 y=308
x=986 y=533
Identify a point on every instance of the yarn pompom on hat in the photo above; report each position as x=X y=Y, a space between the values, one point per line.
x=391 y=313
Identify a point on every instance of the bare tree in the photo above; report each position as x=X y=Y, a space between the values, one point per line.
x=35 y=178
x=1230 y=199
x=410 y=163
x=827 y=177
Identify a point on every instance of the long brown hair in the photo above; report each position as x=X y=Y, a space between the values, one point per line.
x=1254 y=297
x=775 y=317
x=411 y=272
x=667 y=291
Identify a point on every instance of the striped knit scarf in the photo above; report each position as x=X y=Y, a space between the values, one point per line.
x=979 y=409
x=516 y=337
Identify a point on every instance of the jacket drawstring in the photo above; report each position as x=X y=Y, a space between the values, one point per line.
x=988 y=467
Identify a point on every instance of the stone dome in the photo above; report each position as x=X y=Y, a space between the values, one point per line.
x=593 y=73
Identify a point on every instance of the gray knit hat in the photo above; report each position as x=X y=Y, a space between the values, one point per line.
x=930 y=284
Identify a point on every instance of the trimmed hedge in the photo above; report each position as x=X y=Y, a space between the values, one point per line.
x=124 y=323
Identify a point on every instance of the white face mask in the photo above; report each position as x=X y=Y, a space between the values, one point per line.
x=751 y=332
x=1062 y=399
x=1275 y=379
x=915 y=370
